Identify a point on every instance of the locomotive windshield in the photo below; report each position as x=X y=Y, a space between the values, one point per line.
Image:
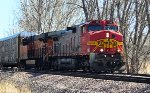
x=99 y=27
x=95 y=28
x=115 y=28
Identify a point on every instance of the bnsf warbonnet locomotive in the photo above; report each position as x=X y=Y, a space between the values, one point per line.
x=92 y=46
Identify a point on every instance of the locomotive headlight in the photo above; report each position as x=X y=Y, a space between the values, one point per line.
x=88 y=50
x=101 y=50
x=107 y=35
x=118 y=50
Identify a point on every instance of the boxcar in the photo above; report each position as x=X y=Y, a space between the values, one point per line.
x=12 y=50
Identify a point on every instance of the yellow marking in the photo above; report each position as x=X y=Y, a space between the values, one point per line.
x=92 y=43
x=105 y=43
x=120 y=43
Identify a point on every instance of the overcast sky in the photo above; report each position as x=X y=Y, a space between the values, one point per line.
x=7 y=15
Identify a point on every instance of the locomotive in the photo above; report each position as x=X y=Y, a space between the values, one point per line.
x=96 y=45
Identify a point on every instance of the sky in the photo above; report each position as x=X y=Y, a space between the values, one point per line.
x=8 y=10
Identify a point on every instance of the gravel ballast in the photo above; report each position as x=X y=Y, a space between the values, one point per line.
x=27 y=82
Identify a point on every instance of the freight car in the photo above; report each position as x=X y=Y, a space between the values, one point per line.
x=12 y=51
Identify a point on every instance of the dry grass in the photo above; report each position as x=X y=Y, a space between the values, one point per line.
x=148 y=69
x=145 y=69
x=9 y=87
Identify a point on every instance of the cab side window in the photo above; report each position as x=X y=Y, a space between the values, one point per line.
x=83 y=29
x=95 y=28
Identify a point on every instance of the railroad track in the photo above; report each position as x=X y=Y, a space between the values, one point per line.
x=138 y=78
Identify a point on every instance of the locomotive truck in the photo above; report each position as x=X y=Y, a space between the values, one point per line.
x=96 y=45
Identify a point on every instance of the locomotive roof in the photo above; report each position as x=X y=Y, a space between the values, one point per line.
x=22 y=34
x=101 y=22
x=57 y=33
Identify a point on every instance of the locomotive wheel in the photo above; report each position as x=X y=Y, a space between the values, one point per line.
x=75 y=69
x=122 y=69
x=21 y=66
x=1 y=67
x=86 y=66
x=112 y=71
x=54 y=65
x=37 y=65
x=45 y=66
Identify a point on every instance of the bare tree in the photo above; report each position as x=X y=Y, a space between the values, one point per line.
x=91 y=9
x=133 y=24
x=47 y=15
